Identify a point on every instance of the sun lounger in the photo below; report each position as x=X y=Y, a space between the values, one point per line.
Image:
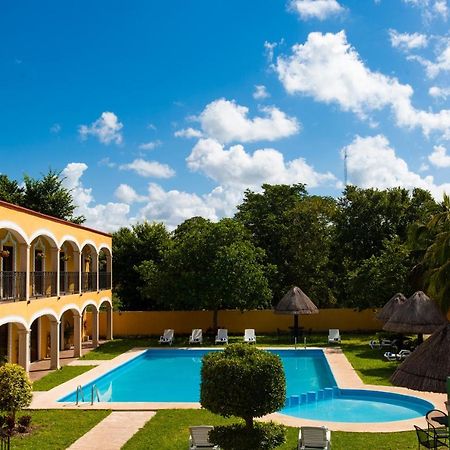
x=249 y=336
x=333 y=336
x=199 y=438
x=314 y=438
x=400 y=356
x=167 y=337
x=196 y=336
x=222 y=336
x=381 y=343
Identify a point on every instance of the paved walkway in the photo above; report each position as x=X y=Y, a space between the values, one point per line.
x=113 y=431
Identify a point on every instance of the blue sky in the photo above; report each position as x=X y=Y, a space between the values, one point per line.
x=159 y=110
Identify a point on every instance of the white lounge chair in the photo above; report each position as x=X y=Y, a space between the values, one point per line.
x=333 y=336
x=222 y=336
x=196 y=336
x=400 y=356
x=199 y=438
x=249 y=336
x=167 y=337
x=380 y=343
x=314 y=438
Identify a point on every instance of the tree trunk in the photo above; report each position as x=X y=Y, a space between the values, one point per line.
x=215 y=320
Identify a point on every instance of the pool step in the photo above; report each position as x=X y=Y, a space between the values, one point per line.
x=313 y=396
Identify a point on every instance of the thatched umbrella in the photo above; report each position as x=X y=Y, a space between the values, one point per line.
x=419 y=315
x=428 y=367
x=389 y=308
x=296 y=302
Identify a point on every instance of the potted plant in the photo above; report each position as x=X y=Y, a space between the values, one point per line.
x=4 y=253
x=40 y=255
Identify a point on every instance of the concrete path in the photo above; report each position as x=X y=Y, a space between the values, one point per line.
x=113 y=431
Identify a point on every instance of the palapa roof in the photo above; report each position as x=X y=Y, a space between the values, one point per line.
x=419 y=314
x=428 y=367
x=296 y=302
x=389 y=308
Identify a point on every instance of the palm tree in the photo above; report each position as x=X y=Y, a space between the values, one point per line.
x=431 y=243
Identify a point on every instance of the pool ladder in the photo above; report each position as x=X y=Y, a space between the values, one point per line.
x=80 y=394
x=95 y=394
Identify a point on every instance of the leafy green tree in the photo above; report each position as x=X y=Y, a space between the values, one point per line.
x=141 y=245
x=246 y=382
x=209 y=266
x=49 y=196
x=431 y=242
x=15 y=389
x=10 y=191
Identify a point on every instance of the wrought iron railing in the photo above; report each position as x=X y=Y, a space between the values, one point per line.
x=88 y=281
x=13 y=285
x=43 y=284
x=104 y=280
x=69 y=283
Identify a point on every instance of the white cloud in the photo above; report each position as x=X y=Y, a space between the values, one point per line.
x=315 y=9
x=106 y=162
x=372 y=163
x=127 y=194
x=103 y=217
x=439 y=157
x=269 y=48
x=438 y=92
x=236 y=168
x=226 y=121
x=55 y=128
x=327 y=68
x=188 y=133
x=260 y=92
x=106 y=129
x=430 y=8
x=150 y=145
x=149 y=168
x=407 y=41
x=173 y=207
x=441 y=64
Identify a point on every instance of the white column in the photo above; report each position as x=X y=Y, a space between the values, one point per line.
x=109 y=324
x=27 y=275
x=24 y=349
x=79 y=271
x=77 y=322
x=54 y=344
x=94 y=327
x=58 y=272
x=95 y=267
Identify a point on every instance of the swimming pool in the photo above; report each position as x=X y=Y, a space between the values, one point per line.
x=173 y=375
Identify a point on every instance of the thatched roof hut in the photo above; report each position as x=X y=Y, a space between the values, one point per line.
x=295 y=302
x=428 y=367
x=389 y=308
x=419 y=314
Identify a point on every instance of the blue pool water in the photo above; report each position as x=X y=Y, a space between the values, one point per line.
x=173 y=375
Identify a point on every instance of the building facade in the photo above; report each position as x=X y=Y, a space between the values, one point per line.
x=51 y=273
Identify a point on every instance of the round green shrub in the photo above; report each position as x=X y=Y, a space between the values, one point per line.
x=263 y=436
x=15 y=389
x=242 y=381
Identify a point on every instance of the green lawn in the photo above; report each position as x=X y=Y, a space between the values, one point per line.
x=57 y=429
x=169 y=430
x=59 y=376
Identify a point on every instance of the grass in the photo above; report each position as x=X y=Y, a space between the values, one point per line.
x=57 y=429
x=169 y=430
x=59 y=376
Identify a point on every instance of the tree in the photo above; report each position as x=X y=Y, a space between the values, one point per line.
x=246 y=382
x=136 y=248
x=209 y=266
x=431 y=242
x=15 y=389
x=10 y=191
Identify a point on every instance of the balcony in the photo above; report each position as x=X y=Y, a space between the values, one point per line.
x=43 y=284
x=88 y=281
x=104 y=280
x=69 y=283
x=13 y=286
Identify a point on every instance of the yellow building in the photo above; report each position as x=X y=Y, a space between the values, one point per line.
x=51 y=272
